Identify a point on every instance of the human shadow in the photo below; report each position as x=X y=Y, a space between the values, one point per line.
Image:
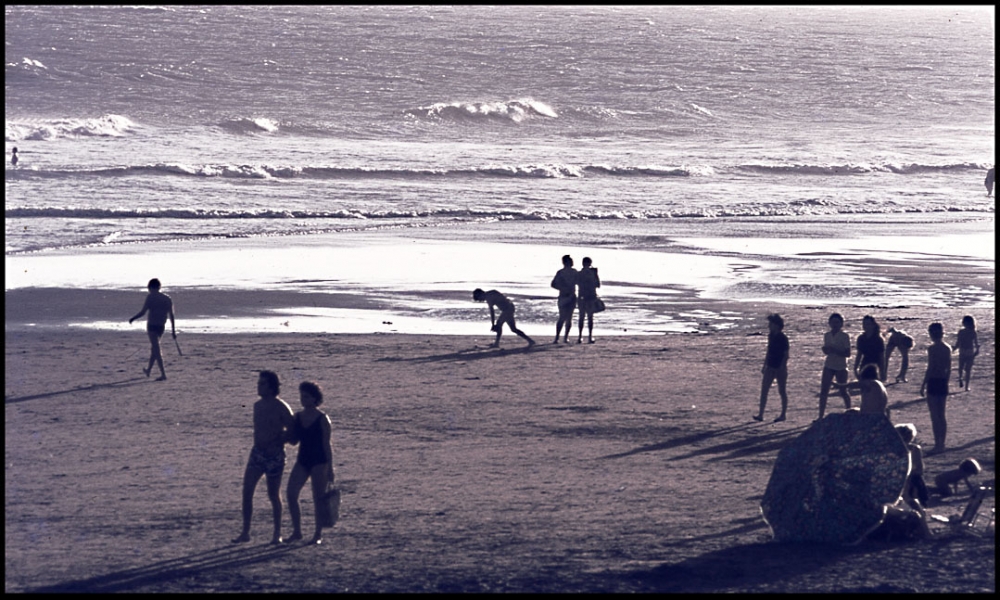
x=83 y=388
x=741 y=446
x=474 y=353
x=223 y=557
x=739 y=566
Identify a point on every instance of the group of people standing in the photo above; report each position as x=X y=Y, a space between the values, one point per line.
x=871 y=365
x=577 y=291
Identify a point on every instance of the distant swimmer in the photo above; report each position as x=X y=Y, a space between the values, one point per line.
x=13 y=161
x=989 y=177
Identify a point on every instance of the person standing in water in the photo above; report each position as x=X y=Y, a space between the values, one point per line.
x=565 y=282
x=160 y=306
x=989 y=179
x=13 y=156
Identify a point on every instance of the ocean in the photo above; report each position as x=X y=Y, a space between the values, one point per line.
x=413 y=152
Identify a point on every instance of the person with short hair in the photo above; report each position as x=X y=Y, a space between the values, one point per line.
x=159 y=306
x=915 y=489
x=899 y=339
x=871 y=347
x=935 y=385
x=496 y=300
x=874 y=398
x=272 y=428
x=947 y=483
x=837 y=348
x=588 y=282
x=565 y=282
x=775 y=366
x=967 y=345
x=311 y=432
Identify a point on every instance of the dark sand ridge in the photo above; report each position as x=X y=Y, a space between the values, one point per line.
x=628 y=465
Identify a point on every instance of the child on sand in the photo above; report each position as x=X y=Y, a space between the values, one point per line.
x=899 y=339
x=160 y=306
x=947 y=482
x=915 y=489
x=968 y=349
x=837 y=348
x=272 y=425
x=775 y=366
x=315 y=460
x=495 y=299
x=936 y=384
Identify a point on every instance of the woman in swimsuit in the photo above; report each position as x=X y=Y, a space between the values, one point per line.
x=315 y=460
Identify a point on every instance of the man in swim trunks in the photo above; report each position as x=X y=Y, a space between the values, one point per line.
x=160 y=306
x=272 y=428
x=497 y=300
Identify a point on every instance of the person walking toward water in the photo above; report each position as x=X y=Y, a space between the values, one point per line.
x=989 y=179
x=936 y=384
x=272 y=427
x=565 y=282
x=837 y=348
x=311 y=430
x=775 y=366
x=899 y=339
x=871 y=346
x=13 y=156
x=495 y=299
x=160 y=306
x=588 y=282
x=968 y=349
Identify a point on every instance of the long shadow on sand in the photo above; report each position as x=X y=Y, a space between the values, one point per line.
x=474 y=353
x=738 y=567
x=732 y=448
x=223 y=557
x=82 y=388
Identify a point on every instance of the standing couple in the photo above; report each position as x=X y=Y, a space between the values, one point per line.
x=567 y=281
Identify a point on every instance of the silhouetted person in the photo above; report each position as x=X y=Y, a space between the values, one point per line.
x=874 y=398
x=272 y=427
x=989 y=179
x=587 y=281
x=967 y=345
x=13 y=158
x=871 y=347
x=775 y=366
x=935 y=385
x=311 y=431
x=495 y=299
x=899 y=339
x=837 y=348
x=945 y=484
x=565 y=282
x=160 y=306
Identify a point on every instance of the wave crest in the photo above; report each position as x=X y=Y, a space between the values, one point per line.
x=49 y=129
x=250 y=125
x=513 y=111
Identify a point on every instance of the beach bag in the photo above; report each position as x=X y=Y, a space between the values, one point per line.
x=599 y=305
x=328 y=510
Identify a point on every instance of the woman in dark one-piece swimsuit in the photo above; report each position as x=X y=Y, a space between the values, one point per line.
x=315 y=460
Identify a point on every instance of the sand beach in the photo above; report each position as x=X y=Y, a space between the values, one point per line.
x=629 y=465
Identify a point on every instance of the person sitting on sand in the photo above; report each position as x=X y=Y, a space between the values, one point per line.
x=967 y=345
x=915 y=489
x=837 y=348
x=899 y=339
x=565 y=282
x=588 y=282
x=160 y=306
x=272 y=427
x=495 y=299
x=311 y=431
x=874 y=399
x=775 y=366
x=935 y=384
x=945 y=484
